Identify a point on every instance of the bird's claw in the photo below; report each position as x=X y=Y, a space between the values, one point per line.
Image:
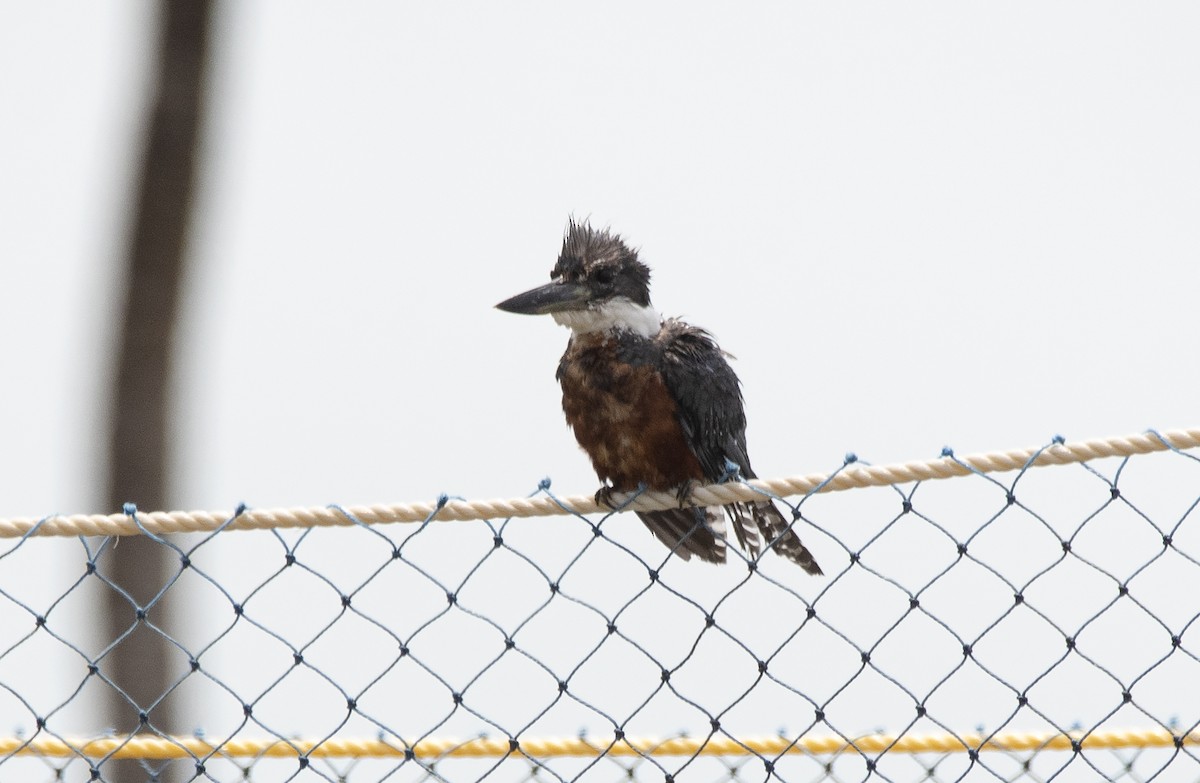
x=604 y=497
x=684 y=493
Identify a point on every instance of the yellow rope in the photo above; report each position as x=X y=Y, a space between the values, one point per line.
x=853 y=476
x=160 y=748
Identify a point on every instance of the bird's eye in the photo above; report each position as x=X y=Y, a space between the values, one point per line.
x=604 y=275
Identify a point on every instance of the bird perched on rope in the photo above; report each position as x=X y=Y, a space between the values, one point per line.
x=652 y=401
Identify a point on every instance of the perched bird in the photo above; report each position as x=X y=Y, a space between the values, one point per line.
x=652 y=401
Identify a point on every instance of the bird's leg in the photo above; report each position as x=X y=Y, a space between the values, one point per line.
x=604 y=497
x=684 y=493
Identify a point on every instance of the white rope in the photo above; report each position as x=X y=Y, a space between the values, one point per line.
x=852 y=476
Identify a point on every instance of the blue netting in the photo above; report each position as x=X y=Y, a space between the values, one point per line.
x=1045 y=600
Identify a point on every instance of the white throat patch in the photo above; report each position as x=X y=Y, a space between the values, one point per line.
x=613 y=315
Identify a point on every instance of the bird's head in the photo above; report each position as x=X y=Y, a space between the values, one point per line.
x=598 y=284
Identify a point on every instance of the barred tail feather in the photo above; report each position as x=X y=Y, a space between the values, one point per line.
x=702 y=532
x=744 y=528
x=689 y=531
x=780 y=536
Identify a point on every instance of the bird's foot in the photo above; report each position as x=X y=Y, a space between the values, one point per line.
x=684 y=493
x=604 y=497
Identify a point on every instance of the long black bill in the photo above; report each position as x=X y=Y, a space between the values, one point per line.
x=550 y=298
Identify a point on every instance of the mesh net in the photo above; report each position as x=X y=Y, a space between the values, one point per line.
x=1029 y=626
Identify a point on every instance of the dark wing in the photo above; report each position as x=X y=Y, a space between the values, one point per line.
x=709 y=397
x=713 y=419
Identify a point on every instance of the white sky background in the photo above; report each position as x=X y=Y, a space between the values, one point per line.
x=915 y=225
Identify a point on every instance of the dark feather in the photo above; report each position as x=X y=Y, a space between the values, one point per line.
x=781 y=537
x=713 y=419
x=689 y=531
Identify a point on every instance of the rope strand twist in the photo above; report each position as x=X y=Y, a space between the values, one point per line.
x=852 y=476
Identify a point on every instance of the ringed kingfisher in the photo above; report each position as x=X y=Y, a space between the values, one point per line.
x=652 y=401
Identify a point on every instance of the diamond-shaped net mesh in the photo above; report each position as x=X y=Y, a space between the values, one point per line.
x=1030 y=626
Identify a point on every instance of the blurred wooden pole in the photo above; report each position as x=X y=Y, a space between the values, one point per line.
x=145 y=665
